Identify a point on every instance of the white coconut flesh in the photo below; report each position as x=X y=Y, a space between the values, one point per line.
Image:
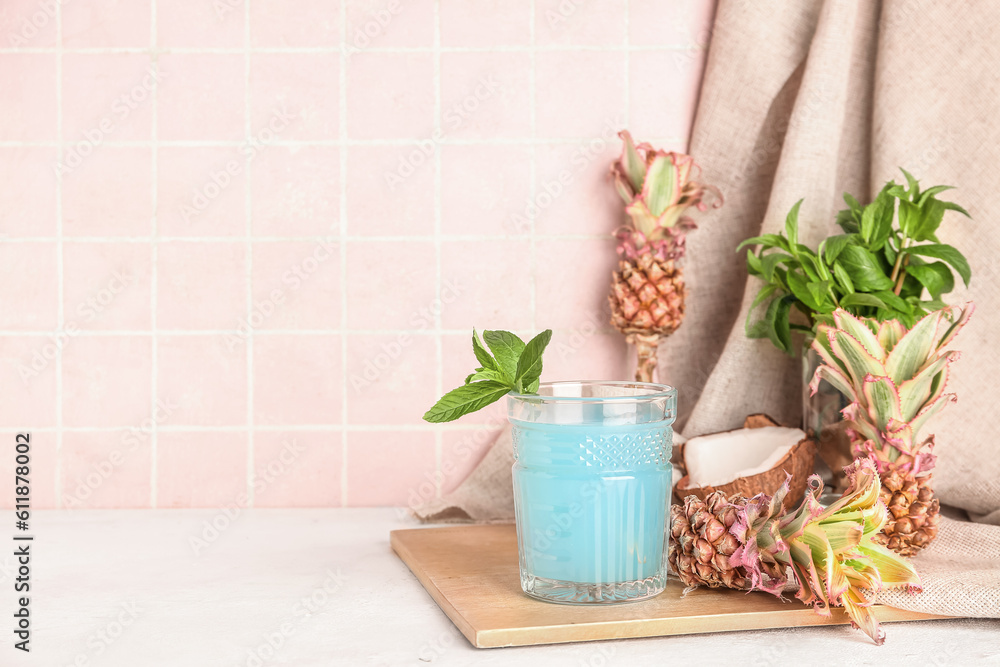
x=720 y=458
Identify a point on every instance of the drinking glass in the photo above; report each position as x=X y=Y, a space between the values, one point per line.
x=592 y=478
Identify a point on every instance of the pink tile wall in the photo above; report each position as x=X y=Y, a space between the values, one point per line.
x=244 y=242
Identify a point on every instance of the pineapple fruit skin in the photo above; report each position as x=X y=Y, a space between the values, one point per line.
x=647 y=290
x=701 y=544
x=647 y=296
x=915 y=511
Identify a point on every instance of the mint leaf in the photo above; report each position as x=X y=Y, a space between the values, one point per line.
x=892 y=301
x=948 y=254
x=529 y=364
x=482 y=356
x=936 y=277
x=914 y=184
x=855 y=207
x=847 y=285
x=909 y=218
x=932 y=192
x=792 y=226
x=488 y=374
x=952 y=206
x=776 y=318
x=771 y=261
x=931 y=215
x=849 y=221
x=514 y=366
x=766 y=240
x=866 y=274
x=857 y=300
x=884 y=210
x=467 y=398
x=758 y=329
x=798 y=286
x=507 y=348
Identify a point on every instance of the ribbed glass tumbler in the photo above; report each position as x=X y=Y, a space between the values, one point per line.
x=592 y=479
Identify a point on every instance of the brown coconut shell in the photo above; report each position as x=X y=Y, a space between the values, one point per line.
x=798 y=461
x=677 y=458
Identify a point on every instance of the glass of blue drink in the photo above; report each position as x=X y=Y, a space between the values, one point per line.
x=592 y=479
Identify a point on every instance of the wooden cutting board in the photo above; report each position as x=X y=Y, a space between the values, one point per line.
x=472 y=573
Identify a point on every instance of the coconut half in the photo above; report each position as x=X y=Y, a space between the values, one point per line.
x=748 y=461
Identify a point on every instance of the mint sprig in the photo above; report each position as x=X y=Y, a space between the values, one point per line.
x=507 y=349
x=512 y=366
x=888 y=257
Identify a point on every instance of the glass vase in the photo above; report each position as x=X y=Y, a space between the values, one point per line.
x=822 y=409
x=821 y=416
x=592 y=479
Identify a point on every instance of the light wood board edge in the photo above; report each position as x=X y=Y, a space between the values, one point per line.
x=404 y=553
x=661 y=627
x=667 y=627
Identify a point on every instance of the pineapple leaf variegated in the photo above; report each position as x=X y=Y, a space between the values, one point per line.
x=895 y=380
x=829 y=555
x=648 y=291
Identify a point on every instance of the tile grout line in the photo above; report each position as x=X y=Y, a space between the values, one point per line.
x=154 y=442
x=268 y=428
x=533 y=168
x=60 y=293
x=272 y=239
x=402 y=142
x=438 y=343
x=263 y=332
x=628 y=89
x=319 y=49
x=342 y=109
x=628 y=64
x=247 y=204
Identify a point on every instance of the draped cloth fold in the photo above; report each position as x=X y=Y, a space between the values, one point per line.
x=807 y=100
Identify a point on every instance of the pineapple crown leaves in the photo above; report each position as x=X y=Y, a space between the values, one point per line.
x=756 y=528
x=894 y=378
x=834 y=557
x=509 y=365
x=830 y=550
x=657 y=187
x=881 y=266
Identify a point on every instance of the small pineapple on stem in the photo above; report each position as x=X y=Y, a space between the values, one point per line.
x=895 y=380
x=648 y=291
x=828 y=553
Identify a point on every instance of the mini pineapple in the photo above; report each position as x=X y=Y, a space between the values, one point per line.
x=648 y=291
x=895 y=380
x=827 y=554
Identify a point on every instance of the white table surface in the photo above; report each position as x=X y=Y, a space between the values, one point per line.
x=126 y=588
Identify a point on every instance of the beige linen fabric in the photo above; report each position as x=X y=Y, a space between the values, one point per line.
x=807 y=99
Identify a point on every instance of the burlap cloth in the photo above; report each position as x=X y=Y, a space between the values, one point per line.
x=809 y=98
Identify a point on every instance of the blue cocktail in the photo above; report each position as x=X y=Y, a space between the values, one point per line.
x=591 y=484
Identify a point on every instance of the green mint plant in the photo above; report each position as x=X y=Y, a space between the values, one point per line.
x=513 y=366
x=879 y=267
